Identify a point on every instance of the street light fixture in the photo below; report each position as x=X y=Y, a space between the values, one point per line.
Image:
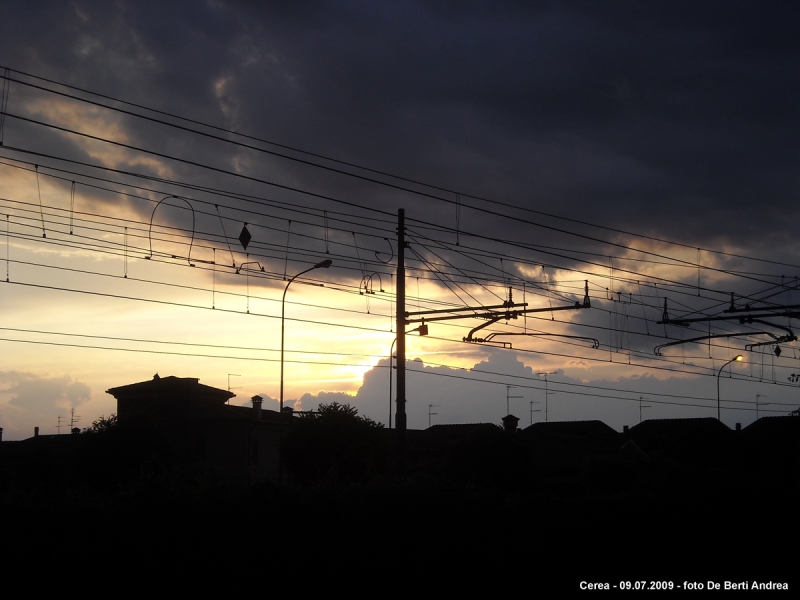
x=736 y=358
x=321 y=265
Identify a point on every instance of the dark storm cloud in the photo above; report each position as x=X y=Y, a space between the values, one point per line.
x=675 y=120
x=678 y=121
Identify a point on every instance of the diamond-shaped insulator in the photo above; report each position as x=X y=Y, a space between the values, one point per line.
x=777 y=351
x=245 y=237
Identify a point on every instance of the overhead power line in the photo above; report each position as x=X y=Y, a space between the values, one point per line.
x=457 y=195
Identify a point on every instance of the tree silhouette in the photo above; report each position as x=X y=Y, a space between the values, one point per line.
x=127 y=454
x=334 y=445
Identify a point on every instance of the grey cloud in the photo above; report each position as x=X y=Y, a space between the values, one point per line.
x=565 y=106
x=36 y=394
x=677 y=121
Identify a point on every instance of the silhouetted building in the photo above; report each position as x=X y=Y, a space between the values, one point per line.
x=230 y=444
x=687 y=441
x=565 y=446
x=510 y=423
x=770 y=443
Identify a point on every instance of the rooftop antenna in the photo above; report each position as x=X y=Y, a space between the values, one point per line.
x=73 y=418
x=641 y=406
x=760 y=403
x=430 y=406
x=509 y=397
x=229 y=382
x=533 y=411
x=546 y=392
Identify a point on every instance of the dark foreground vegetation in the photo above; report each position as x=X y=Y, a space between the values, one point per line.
x=473 y=505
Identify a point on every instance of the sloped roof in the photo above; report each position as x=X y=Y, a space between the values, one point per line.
x=677 y=428
x=438 y=437
x=569 y=429
x=783 y=425
x=684 y=440
x=175 y=387
x=450 y=430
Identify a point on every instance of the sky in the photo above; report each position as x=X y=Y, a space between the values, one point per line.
x=648 y=152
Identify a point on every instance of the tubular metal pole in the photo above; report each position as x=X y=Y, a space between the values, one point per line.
x=400 y=399
x=323 y=265
x=391 y=350
x=719 y=413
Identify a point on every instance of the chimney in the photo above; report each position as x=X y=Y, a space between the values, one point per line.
x=738 y=427
x=1 y=434
x=510 y=423
x=76 y=430
x=624 y=429
x=257 y=400
x=35 y=432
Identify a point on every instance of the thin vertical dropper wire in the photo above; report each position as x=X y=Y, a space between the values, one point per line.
x=225 y=236
x=524 y=315
x=325 y=224
x=214 y=278
x=436 y=272
x=449 y=264
x=286 y=261
x=644 y=314
x=41 y=212
x=361 y=265
x=4 y=103
x=458 y=217
x=71 y=207
x=125 y=253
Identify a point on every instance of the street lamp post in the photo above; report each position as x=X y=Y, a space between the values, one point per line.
x=736 y=358
x=322 y=265
x=391 y=350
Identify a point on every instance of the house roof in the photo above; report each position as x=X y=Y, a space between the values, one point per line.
x=174 y=387
x=569 y=429
x=683 y=440
x=780 y=425
x=676 y=428
x=450 y=429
